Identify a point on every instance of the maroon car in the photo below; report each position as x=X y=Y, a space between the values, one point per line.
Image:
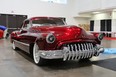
x=50 y=38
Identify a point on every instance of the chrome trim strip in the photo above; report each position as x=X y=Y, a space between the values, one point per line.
x=21 y=43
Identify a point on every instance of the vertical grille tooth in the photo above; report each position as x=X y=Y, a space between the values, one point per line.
x=73 y=53
x=87 y=47
x=85 y=51
x=76 y=52
x=69 y=52
x=90 y=51
x=80 y=50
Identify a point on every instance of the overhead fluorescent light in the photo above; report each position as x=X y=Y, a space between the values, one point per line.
x=114 y=9
x=96 y=12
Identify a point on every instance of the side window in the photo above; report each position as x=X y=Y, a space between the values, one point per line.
x=26 y=25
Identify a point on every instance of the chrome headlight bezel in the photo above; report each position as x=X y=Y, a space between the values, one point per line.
x=50 y=38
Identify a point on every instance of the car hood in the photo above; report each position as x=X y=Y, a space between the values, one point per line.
x=70 y=32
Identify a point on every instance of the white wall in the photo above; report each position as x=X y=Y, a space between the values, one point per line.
x=98 y=17
x=32 y=7
x=97 y=5
x=101 y=16
x=114 y=15
x=87 y=5
x=80 y=6
x=108 y=4
x=97 y=25
x=36 y=8
x=93 y=5
x=114 y=25
x=70 y=10
x=114 y=21
x=81 y=20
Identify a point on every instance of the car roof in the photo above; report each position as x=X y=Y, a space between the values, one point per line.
x=34 y=18
x=41 y=17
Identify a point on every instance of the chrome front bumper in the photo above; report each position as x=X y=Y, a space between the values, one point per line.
x=67 y=54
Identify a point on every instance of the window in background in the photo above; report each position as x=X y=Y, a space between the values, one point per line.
x=56 y=1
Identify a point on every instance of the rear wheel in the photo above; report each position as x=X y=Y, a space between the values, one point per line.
x=36 y=55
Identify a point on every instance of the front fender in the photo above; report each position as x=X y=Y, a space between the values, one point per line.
x=44 y=45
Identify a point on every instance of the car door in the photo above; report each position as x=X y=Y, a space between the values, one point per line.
x=24 y=36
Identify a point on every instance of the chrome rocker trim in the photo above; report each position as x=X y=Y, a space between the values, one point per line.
x=66 y=54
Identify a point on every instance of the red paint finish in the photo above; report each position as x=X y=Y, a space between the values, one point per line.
x=39 y=27
x=1 y=33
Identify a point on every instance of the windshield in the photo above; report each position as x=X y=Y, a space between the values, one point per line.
x=48 y=22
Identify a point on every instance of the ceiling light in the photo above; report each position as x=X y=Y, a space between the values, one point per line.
x=114 y=9
x=96 y=12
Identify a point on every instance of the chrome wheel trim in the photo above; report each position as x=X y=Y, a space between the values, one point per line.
x=13 y=45
x=36 y=54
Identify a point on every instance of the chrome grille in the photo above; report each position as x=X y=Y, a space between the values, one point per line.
x=80 y=51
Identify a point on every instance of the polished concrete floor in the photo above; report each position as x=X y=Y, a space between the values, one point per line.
x=17 y=64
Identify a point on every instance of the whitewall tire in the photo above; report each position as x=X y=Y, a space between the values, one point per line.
x=36 y=56
x=14 y=46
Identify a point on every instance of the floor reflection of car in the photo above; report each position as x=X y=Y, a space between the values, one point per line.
x=50 y=38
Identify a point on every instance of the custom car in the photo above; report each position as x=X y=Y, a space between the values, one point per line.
x=46 y=38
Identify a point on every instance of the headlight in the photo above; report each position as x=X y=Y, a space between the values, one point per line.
x=100 y=36
x=50 y=38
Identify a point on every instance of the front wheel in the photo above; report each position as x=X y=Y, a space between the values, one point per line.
x=36 y=55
